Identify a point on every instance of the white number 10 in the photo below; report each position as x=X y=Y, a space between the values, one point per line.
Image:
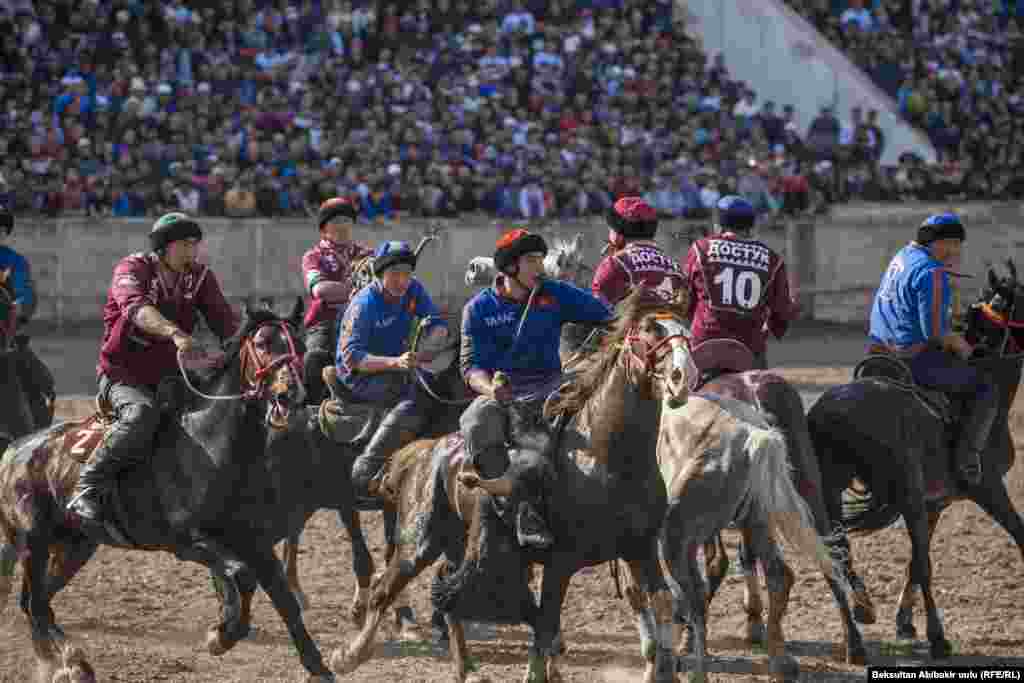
x=744 y=288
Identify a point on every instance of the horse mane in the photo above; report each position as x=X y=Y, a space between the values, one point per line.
x=599 y=366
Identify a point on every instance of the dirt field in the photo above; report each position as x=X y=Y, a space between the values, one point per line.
x=142 y=617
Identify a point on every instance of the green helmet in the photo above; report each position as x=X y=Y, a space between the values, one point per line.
x=172 y=227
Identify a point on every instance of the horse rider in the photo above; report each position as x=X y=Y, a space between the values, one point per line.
x=634 y=258
x=911 y=319
x=34 y=375
x=150 y=313
x=514 y=327
x=374 y=362
x=739 y=289
x=327 y=276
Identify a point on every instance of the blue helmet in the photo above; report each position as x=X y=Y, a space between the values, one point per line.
x=941 y=226
x=736 y=213
x=392 y=253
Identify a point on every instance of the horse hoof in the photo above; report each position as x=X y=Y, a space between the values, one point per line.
x=357 y=614
x=941 y=649
x=215 y=643
x=863 y=614
x=322 y=678
x=757 y=634
x=857 y=657
x=342 y=663
x=906 y=632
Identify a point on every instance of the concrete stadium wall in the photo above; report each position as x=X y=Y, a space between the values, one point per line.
x=835 y=262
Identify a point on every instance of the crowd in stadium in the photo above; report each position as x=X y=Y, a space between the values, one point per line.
x=514 y=108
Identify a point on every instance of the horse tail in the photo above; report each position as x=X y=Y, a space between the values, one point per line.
x=788 y=515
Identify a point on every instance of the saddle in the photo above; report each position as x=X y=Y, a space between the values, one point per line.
x=342 y=418
x=82 y=439
x=881 y=366
x=717 y=357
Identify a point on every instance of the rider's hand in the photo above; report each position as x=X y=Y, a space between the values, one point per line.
x=183 y=341
x=960 y=346
x=406 y=361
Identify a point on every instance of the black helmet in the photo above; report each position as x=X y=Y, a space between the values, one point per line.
x=172 y=227
x=514 y=244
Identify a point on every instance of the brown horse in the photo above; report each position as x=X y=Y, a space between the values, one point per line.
x=723 y=462
x=604 y=493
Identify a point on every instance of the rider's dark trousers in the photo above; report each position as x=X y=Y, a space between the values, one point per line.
x=321 y=346
x=130 y=440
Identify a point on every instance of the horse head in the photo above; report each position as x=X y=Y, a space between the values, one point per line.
x=480 y=272
x=649 y=339
x=564 y=261
x=269 y=349
x=999 y=314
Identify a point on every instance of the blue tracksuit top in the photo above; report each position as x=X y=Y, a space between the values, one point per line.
x=912 y=304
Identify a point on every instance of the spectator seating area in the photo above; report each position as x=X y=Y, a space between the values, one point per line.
x=521 y=109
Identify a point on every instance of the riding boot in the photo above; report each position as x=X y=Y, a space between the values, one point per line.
x=974 y=434
x=393 y=433
x=126 y=446
x=518 y=512
x=312 y=367
x=531 y=529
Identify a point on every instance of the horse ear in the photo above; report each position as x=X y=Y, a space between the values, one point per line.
x=1013 y=270
x=295 y=318
x=246 y=312
x=993 y=281
x=577 y=242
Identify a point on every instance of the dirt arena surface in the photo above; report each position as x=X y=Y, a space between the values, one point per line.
x=142 y=617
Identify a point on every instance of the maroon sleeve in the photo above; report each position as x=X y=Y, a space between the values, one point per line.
x=310 y=270
x=215 y=308
x=360 y=251
x=782 y=307
x=610 y=283
x=131 y=286
x=694 y=278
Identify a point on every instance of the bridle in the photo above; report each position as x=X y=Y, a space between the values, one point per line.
x=649 y=356
x=256 y=367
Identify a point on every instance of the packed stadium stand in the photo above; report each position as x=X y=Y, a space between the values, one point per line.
x=534 y=109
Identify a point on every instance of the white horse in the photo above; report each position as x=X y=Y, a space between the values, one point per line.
x=563 y=262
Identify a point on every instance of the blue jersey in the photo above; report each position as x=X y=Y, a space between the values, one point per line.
x=490 y=322
x=377 y=324
x=912 y=304
x=20 y=279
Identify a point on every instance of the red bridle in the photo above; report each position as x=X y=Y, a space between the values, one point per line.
x=651 y=355
x=264 y=366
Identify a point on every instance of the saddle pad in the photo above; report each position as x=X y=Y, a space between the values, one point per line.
x=80 y=440
x=347 y=423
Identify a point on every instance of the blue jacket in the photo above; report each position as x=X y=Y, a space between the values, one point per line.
x=912 y=304
x=490 y=321
x=20 y=278
x=377 y=324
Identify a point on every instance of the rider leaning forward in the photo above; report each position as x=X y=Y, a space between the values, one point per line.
x=149 y=316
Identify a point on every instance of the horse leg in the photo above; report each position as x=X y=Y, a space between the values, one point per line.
x=48 y=640
x=654 y=617
x=920 y=566
x=8 y=561
x=392 y=582
x=752 y=604
x=992 y=497
x=905 y=613
x=69 y=560
x=779 y=578
x=264 y=566
x=545 y=648
x=405 y=618
x=224 y=566
x=457 y=646
x=290 y=559
x=362 y=565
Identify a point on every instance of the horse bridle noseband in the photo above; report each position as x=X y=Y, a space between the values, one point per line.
x=263 y=368
x=653 y=354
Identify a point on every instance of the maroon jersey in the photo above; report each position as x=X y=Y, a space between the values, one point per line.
x=736 y=286
x=639 y=264
x=329 y=262
x=130 y=355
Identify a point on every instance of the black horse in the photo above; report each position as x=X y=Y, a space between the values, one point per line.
x=879 y=432
x=212 y=494
x=16 y=417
